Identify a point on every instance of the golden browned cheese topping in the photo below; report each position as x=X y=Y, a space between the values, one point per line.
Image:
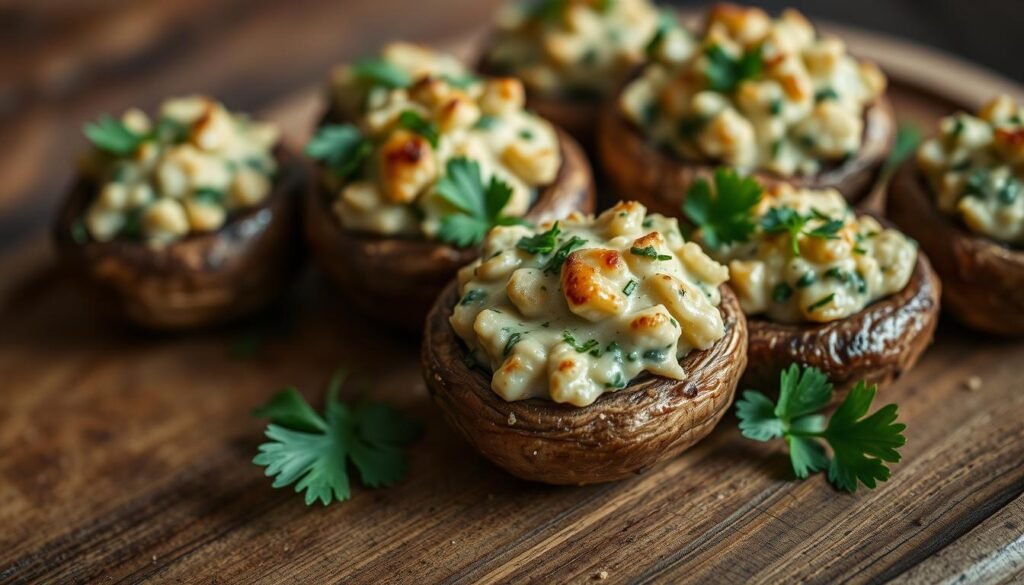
x=975 y=169
x=421 y=113
x=583 y=47
x=185 y=172
x=759 y=93
x=572 y=310
x=812 y=259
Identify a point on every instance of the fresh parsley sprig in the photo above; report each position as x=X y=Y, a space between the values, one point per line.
x=412 y=121
x=478 y=208
x=113 y=136
x=727 y=215
x=908 y=137
x=378 y=71
x=554 y=264
x=860 y=445
x=787 y=220
x=313 y=451
x=542 y=243
x=725 y=73
x=341 y=147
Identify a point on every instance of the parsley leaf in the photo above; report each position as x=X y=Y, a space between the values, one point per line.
x=860 y=445
x=587 y=347
x=907 y=139
x=113 y=136
x=725 y=73
x=787 y=220
x=548 y=9
x=542 y=243
x=649 y=252
x=725 y=217
x=463 y=81
x=554 y=264
x=478 y=208
x=414 y=122
x=376 y=71
x=313 y=451
x=666 y=23
x=341 y=147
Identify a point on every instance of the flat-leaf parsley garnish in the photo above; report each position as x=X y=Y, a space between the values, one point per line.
x=412 y=121
x=726 y=216
x=788 y=220
x=554 y=264
x=381 y=72
x=113 y=136
x=725 y=73
x=542 y=243
x=860 y=445
x=649 y=252
x=478 y=208
x=341 y=147
x=313 y=451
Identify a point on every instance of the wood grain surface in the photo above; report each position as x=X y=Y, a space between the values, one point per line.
x=125 y=457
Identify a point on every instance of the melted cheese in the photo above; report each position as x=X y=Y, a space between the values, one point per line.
x=802 y=108
x=582 y=46
x=192 y=168
x=483 y=120
x=631 y=297
x=832 y=277
x=975 y=168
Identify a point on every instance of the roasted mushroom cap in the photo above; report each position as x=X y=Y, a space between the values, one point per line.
x=983 y=280
x=646 y=172
x=200 y=280
x=396 y=279
x=623 y=433
x=876 y=345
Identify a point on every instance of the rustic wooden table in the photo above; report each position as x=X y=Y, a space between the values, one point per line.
x=125 y=457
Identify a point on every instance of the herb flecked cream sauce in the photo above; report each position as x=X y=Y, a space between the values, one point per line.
x=574 y=310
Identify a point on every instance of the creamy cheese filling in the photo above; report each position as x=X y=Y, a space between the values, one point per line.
x=568 y=314
x=186 y=172
x=364 y=85
x=583 y=47
x=414 y=131
x=975 y=169
x=841 y=264
x=759 y=93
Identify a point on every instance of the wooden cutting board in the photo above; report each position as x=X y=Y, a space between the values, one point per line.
x=125 y=457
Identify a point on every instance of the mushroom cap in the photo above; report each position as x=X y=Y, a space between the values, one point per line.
x=982 y=279
x=396 y=279
x=622 y=433
x=660 y=180
x=876 y=345
x=200 y=280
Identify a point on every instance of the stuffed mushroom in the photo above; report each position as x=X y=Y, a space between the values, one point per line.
x=768 y=96
x=962 y=198
x=588 y=349
x=185 y=219
x=821 y=285
x=408 y=189
x=572 y=55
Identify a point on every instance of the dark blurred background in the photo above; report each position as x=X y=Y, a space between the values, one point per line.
x=65 y=61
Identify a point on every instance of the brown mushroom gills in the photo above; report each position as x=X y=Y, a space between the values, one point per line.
x=641 y=170
x=983 y=280
x=201 y=280
x=621 y=434
x=876 y=345
x=396 y=279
